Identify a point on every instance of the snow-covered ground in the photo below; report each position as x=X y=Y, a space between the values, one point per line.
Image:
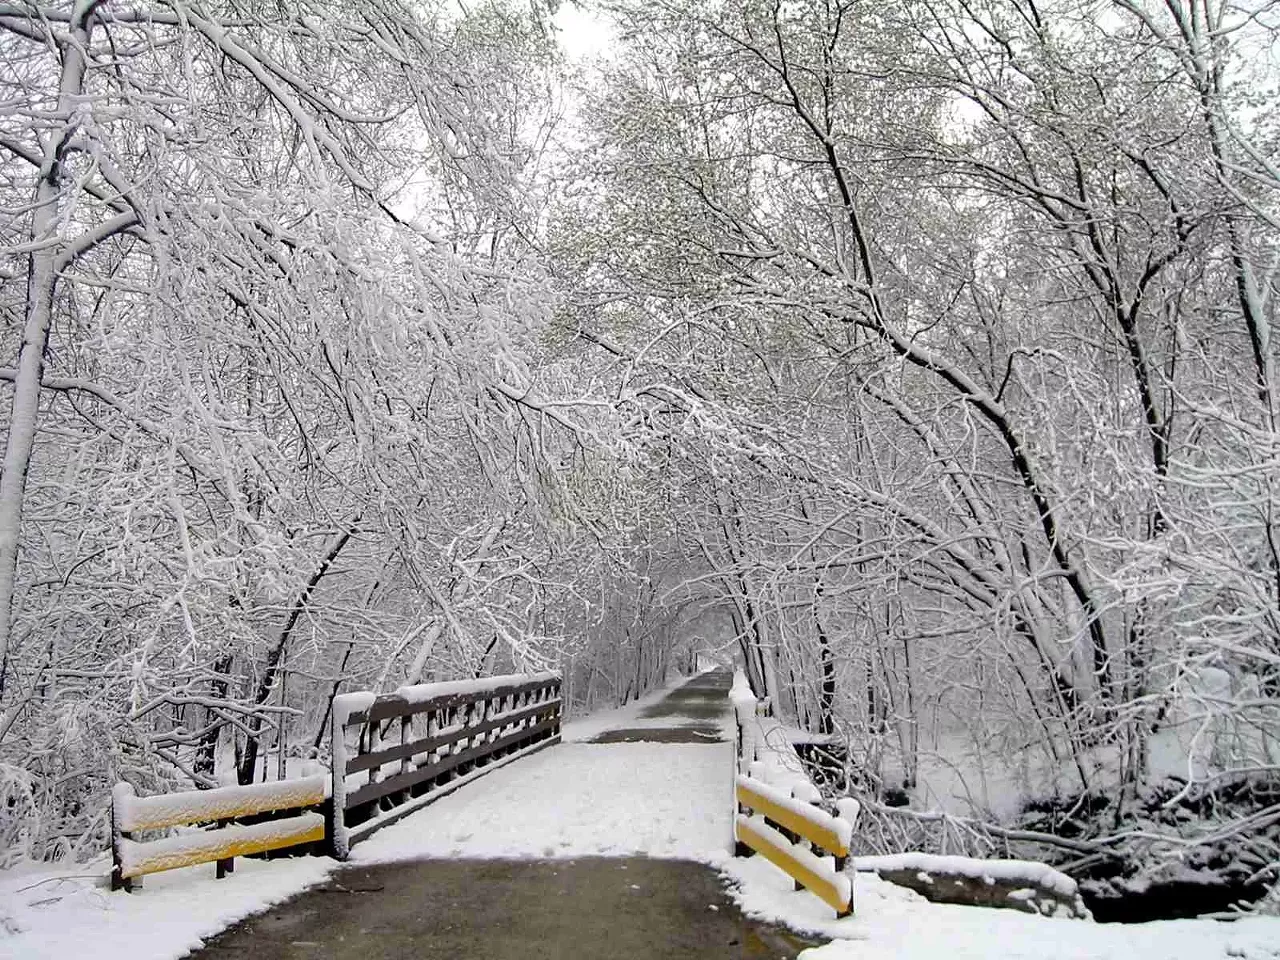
x=893 y=923
x=584 y=799
x=579 y=799
x=572 y=800
x=64 y=914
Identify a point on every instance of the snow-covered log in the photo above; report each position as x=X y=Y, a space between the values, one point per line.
x=1017 y=884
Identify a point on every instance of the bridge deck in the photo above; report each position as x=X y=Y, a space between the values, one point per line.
x=553 y=856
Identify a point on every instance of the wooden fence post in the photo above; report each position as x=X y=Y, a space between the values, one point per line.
x=337 y=840
x=227 y=865
x=120 y=797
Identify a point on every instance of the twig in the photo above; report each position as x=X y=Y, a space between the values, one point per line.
x=69 y=876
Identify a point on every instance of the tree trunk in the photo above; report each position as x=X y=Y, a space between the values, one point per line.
x=249 y=761
x=46 y=259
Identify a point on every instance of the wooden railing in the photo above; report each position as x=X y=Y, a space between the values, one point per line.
x=779 y=815
x=797 y=837
x=396 y=753
x=391 y=755
x=132 y=859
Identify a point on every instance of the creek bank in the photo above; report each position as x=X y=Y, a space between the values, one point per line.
x=1140 y=879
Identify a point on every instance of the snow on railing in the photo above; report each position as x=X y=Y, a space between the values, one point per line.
x=408 y=748
x=833 y=834
x=132 y=859
x=778 y=814
x=396 y=753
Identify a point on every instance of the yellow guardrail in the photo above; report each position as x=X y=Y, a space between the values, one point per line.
x=793 y=834
x=132 y=859
x=810 y=822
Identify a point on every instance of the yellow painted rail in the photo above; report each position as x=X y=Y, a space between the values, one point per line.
x=224 y=803
x=832 y=888
x=815 y=825
x=207 y=846
x=782 y=830
x=132 y=859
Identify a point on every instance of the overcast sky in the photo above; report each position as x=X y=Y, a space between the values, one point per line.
x=582 y=34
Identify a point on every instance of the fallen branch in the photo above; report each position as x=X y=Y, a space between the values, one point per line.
x=1090 y=847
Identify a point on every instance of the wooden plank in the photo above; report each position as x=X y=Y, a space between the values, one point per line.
x=187 y=850
x=391 y=705
x=394 y=706
x=367 y=761
x=223 y=803
x=827 y=889
x=373 y=791
x=823 y=836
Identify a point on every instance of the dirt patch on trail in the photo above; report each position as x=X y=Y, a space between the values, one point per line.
x=705 y=697
x=623 y=909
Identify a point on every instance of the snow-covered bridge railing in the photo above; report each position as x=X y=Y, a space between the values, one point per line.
x=779 y=815
x=395 y=753
x=132 y=859
x=805 y=841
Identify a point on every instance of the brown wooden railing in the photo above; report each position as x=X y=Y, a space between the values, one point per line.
x=391 y=754
x=396 y=753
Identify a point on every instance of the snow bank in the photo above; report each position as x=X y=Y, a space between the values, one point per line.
x=48 y=914
x=893 y=923
x=1021 y=872
x=1012 y=884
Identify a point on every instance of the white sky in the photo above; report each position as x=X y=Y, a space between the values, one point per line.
x=583 y=35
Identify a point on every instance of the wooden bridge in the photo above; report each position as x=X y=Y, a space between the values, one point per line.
x=489 y=844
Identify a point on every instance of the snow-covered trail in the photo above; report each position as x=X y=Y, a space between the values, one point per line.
x=661 y=790
x=653 y=779
x=614 y=843
x=600 y=846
